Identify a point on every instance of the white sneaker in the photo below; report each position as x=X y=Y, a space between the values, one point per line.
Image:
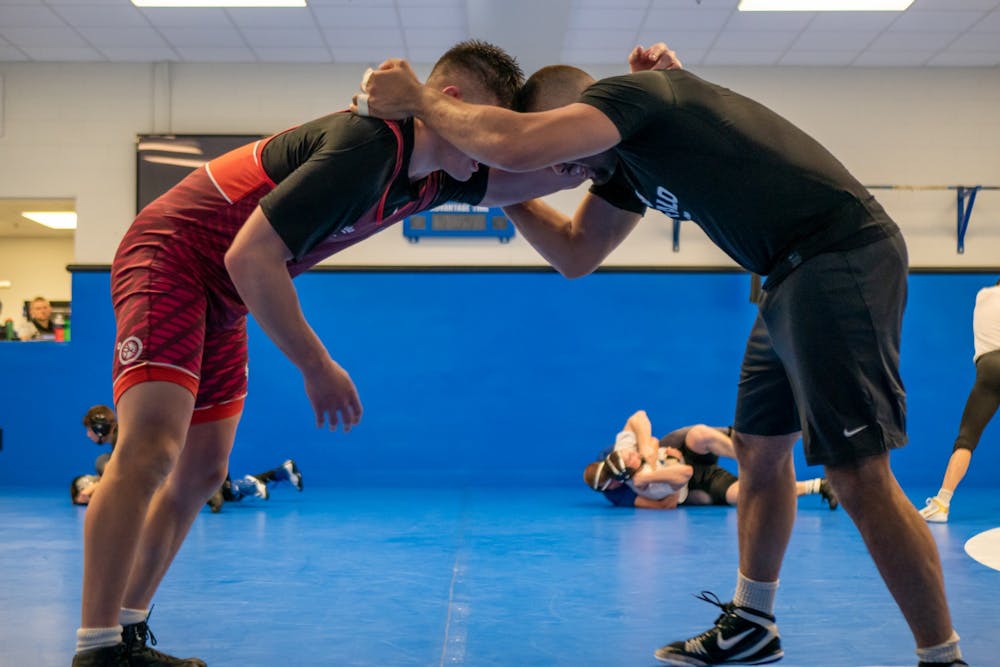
x=260 y=488
x=294 y=476
x=935 y=511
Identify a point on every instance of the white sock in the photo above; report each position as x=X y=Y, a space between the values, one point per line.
x=947 y=652
x=758 y=595
x=944 y=495
x=89 y=638
x=132 y=616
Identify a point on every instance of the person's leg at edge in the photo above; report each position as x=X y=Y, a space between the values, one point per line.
x=900 y=544
x=767 y=504
x=199 y=473
x=982 y=404
x=153 y=420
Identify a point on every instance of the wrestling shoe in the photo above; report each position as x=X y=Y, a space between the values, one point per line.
x=105 y=656
x=954 y=663
x=140 y=655
x=827 y=494
x=259 y=486
x=215 y=502
x=741 y=636
x=294 y=476
x=935 y=511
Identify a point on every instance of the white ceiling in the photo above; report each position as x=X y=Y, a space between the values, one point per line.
x=930 y=33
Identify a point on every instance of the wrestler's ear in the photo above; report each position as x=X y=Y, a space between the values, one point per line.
x=453 y=91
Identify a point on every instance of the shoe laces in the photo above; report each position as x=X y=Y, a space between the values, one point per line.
x=725 y=620
x=140 y=633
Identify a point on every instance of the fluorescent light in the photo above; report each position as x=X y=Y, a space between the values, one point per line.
x=824 y=5
x=53 y=219
x=219 y=3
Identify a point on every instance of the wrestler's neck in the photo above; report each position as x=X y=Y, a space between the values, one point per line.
x=424 y=158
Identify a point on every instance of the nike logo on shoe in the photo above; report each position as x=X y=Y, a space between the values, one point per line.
x=854 y=431
x=726 y=644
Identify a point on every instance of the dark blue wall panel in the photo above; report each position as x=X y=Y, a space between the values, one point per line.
x=488 y=378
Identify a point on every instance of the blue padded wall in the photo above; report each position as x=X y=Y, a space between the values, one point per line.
x=488 y=378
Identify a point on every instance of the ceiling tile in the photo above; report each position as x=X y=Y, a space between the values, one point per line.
x=456 y=4
x=117 y=3
x=729 y=5
x=272 y=17
x=966 y=59
x=671 y=22
x=370 y=39
x=200 y=54
x=777 y=21
x=293 y=54
x=594 y=56
x=681 y=42
x=975 y=41
x=720 y=57
x=43 y=37
x=355 y=17
x=350 y=3
x=620 y=41
x=989 y=23
x=928 y=42
x=442 y=39
x=823 y=40
x=139 y=55
x=609 y=4
x=424 y=54
x=956 y=5
x=818 y=58
x=62 y=54
x=893 y=58
x=754 y=41
x=102 y=16
x=433 y=17
x=136 y=38
x=853 y=20
x=935 y=21
x=283 y=38
x=208 y=38
x=22 y=16
x=10 y=53
x=183 y=17
x=361 y=54
x=610 y=19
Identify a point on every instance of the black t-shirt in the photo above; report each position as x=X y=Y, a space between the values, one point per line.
x=756 y=184
x=342 y=169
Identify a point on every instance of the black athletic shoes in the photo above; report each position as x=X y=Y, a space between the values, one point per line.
x=140 y=655
x=106 y=656
x=956 y=663
x=827 y=494
x=741 y=636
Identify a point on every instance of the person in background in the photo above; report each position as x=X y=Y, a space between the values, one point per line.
x=984 y=398
x=681 y=468
x=39 y=324
x=102 y=429
x=256 y=486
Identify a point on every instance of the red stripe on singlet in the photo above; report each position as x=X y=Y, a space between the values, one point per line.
x=239 y=171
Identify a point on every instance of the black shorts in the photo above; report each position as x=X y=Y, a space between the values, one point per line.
x=823 y=355
x=708 y=475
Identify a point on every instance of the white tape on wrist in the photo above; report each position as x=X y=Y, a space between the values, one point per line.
x=362 y=104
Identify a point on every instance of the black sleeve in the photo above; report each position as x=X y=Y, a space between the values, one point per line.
x=619 y=193
x=339 y=172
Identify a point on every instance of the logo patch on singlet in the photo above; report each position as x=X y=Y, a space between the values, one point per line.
x=129 y=350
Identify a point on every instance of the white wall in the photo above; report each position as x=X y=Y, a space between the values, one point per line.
x=34 y=267
x=69 y=129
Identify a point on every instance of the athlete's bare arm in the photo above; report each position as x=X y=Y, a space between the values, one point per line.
x=506 y=139
x=577 y=246
x=256 y=263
